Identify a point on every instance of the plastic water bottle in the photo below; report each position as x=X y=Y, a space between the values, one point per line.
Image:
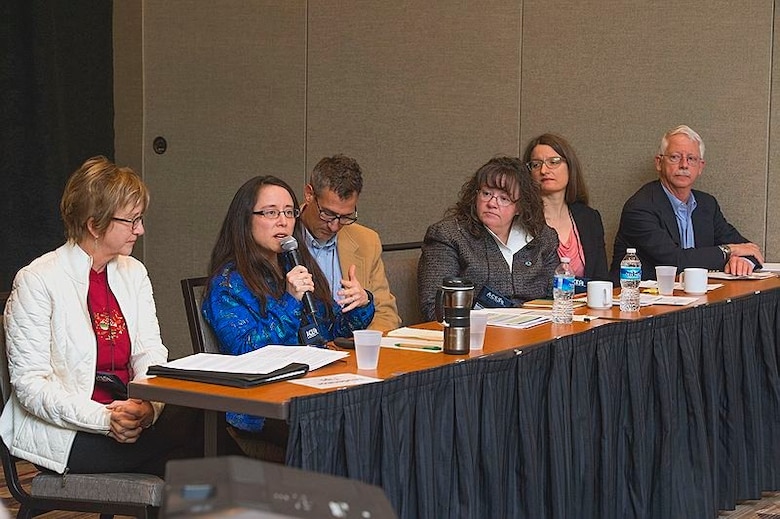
x=563 y=291
x=630 y=276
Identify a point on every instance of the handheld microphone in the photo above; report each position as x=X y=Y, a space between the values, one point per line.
x=309 y=332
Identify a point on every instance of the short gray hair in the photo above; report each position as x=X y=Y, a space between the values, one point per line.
x=684 y=130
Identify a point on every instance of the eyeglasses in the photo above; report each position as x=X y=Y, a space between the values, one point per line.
x=676 y=158
x=133 y=222
x=273 y=214
x=552 y=163
x=501 y=200
x=330 y=216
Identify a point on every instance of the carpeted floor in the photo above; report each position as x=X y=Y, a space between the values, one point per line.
x=766 y=508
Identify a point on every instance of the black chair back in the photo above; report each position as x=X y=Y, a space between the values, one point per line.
x=201 y=335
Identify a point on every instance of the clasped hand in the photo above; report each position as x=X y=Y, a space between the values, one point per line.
x=352 y=295
x=129 y=418
x=737 y=264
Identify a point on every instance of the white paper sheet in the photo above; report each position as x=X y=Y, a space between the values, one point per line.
x=262 y=360
x=771 y=267
x=650 y=283
x=520 y=318
x=755 y=275
x=406 y=343
x=335 y=381
x=417 y=333
x=652 y=299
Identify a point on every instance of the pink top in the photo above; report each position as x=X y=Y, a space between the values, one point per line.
x=572 y=249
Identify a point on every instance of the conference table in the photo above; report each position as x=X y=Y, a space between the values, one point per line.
x=666 y=412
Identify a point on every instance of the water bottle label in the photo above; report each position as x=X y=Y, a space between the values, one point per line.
x=631 y=273
x=564 y=283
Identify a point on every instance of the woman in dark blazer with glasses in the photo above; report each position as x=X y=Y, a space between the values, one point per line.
x=557 y=170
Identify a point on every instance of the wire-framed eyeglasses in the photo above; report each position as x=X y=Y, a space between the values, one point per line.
x=134 y=222
x=330 y=216
x=552 y=163
x=273 y=214
x=502 y=199
x=676 y=158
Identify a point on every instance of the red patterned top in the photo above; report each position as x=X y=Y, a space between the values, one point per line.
x=113 y=342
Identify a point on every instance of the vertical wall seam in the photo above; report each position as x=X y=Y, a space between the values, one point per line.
x=520 y=76
x=769 y=127
x=144 y=175
x=305 y=91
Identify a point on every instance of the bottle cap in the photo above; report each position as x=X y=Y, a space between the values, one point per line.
x=630 y=250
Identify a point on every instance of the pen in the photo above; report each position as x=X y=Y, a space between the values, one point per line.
x=417 y=346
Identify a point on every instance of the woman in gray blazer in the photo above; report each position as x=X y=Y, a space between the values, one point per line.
x=495 y=235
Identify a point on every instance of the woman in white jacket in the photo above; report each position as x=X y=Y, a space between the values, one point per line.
x=80 y=324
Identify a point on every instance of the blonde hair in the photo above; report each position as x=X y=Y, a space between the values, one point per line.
x=96 y=191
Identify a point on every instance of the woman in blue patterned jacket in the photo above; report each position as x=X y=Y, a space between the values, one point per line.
x=254 y=299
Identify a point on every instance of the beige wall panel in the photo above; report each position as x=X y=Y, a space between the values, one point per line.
x=224 y=84
x=612 y=76
x=420 y=93
x=128 y=90
x=773 y=177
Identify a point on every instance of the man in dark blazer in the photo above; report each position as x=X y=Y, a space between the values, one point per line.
x=670 y=223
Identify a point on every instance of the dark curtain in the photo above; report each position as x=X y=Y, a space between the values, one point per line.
x=673 y=416
x=56 y=110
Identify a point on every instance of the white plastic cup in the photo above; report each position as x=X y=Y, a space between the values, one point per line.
x=600 y=295
x=694 y=281
x=665 y=276
x=477 y=333
x=367 y=346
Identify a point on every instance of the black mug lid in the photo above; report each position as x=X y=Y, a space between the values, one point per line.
x=456 y=283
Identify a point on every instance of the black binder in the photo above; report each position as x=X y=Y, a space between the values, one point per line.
x=243 y=380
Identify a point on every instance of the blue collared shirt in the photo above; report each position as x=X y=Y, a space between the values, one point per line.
x=327 y=256
x=682 y=213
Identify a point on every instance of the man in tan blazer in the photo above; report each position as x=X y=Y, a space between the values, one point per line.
x=348 y=253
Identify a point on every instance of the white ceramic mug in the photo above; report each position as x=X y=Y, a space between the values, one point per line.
x=694 y=281
x=600 y=295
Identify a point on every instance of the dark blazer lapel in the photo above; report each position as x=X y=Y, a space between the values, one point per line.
x=668 y=219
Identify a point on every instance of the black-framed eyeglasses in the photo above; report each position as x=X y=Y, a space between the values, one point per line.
x=502 y=200
x=676 y=158
x=273 y=214
x=552 y=163
x=134 y=222
x=330 y=216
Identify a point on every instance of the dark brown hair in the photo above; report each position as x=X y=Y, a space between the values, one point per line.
x=235 y=243
x=509 y=174
x=340 y=174
x=576 y=190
